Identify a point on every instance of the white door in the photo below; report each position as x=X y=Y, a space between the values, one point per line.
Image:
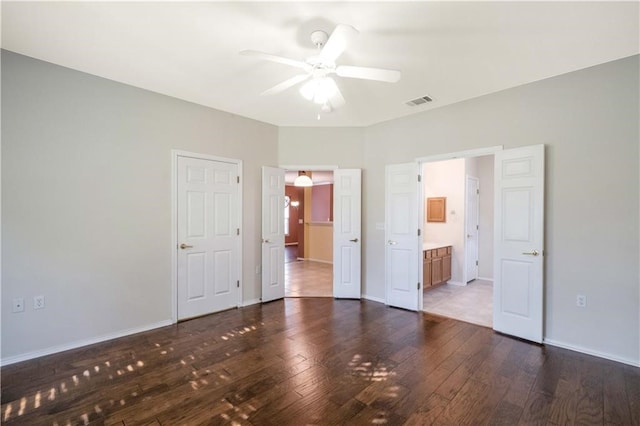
x=208 y=242
x=272 y=234
x=519 y=242
x=402 y=251
x=346 y=233
x=471 y=228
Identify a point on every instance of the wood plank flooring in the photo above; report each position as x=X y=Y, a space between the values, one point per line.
x=319 y=361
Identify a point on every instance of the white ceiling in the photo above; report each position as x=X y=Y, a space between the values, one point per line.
x=451 y=51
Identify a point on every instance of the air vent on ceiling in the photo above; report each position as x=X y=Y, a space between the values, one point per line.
x=419 y=101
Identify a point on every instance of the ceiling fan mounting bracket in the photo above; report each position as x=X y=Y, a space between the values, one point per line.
x=319 y=38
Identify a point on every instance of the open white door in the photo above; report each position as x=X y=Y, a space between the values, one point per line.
x=346 y=233
x=402 y=254
x=519 y=242
x=471 y=214
x=272 y=233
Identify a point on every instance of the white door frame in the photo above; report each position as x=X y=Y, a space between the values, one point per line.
x=442 y=157
x=174 y=222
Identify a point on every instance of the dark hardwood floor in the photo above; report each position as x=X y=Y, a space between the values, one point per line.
x=319 y=361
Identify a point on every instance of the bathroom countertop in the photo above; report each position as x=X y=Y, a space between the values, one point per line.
x=431 y=246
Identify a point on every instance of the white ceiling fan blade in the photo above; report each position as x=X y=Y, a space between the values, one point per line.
x=286 y=84
x=337 y=100
x=274 y=58
x=378 y=74
x=338 y=42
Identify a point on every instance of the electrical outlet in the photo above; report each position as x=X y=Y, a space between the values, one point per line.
x=581 y=301
x=18 y=304
x=38 y=302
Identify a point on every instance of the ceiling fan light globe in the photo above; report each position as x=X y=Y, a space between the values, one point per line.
x=308 y=90
x=303 y=181
x=319 y=90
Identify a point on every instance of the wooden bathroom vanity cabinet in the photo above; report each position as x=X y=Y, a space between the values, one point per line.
x=436 y=265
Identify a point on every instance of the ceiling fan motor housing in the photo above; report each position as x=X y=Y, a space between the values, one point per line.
x=319 y=38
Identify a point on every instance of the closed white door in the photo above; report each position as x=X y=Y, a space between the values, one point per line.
x=471 y=228
x=208 y=243
x=272 y=234
x=346 y=233
x=402 y=251
x=519 y=242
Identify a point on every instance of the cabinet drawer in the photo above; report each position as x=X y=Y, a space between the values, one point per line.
x=427 y=254
x=442 y=251
x=449 y=250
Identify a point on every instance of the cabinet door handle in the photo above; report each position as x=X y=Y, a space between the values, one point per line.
x=355 y=240
x=531 y=253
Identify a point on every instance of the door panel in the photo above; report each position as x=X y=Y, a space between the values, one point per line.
x=208 y=263
x=272 y=233
x=347 y=233
x=402 y=254
x=519 y=242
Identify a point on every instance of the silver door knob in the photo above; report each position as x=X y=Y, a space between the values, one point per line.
x=392 y=243
x=265 y=241
x=185 y=246
x=355 y=240
x=531 y=253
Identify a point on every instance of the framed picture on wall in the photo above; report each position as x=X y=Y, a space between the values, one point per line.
x=436 y=209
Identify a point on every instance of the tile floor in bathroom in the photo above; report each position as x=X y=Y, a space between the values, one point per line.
x=471 y=303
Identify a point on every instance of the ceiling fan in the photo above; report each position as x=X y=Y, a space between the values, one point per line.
x=321 y=88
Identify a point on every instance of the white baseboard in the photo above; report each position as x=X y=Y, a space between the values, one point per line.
x=458 y=283
x=485 y=279
x=319 y=261
x=81 y=343
x=551 y=342
x=373 y=299
x=250 y=302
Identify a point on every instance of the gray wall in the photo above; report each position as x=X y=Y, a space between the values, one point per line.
x=588 y=121
x=86 y=221
x=86 y=195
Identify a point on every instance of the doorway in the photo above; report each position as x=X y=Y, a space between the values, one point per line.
x=452 y=242
x=518 y=248
x=308 y=269
x=464 y=294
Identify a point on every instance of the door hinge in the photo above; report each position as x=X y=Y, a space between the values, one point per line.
x=238 y=179
x=238 y=283
x=476 y=263
x=477 y=191
x=418 y=286
x=419 y=178
x=237 y=231
x=477 y=227
x=418 y=232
